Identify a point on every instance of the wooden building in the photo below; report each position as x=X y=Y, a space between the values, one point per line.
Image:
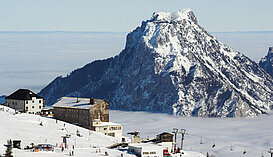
x=81 y=111
x=165 y=137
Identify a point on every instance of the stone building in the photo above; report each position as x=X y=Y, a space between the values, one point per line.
x=81 y=111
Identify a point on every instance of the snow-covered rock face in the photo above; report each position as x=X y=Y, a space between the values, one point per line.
x=171 y=64
x=267 y=62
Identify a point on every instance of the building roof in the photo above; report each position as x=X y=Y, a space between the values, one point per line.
x=140 y=145
x=79 y=103
x=23 y=94
x=106 y=124
x=165 y=133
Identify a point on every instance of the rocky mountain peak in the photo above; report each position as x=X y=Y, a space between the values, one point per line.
x=171 y=64
x=178 y=16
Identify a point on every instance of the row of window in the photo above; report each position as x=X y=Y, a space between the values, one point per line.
x=145 y=153
x=40 y=107
x=15 y=103
x=113 y=128
x=40 y=101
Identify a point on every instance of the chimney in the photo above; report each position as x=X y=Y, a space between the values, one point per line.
x=77 y=100
x=92 y=101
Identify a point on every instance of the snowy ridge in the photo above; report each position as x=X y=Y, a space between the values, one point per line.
x=171 y=17
x=171 y=64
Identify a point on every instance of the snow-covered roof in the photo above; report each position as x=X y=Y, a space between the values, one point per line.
x=140 y=145
x=106 y=124
x=80 y=103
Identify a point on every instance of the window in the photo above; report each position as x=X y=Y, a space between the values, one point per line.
x=40 y=107
x=26 y=108
x=145 y=152
x=32 y=101
x=32 y=106
x=26 y=102
x=40 y=101
x=105 y=128
x=111 y=134
x=152 y=152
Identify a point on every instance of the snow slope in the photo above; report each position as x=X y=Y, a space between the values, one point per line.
x=26 y=128
x=251 y=134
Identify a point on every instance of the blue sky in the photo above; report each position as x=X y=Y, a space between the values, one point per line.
x=126 y=15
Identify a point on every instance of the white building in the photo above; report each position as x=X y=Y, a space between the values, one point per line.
x=24 y=100
x=146 y=149
x=108 y=128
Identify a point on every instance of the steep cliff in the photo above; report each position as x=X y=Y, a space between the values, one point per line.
x=267 y=62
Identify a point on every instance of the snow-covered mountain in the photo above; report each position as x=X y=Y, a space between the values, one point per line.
x=171 y=64
x=267 y=62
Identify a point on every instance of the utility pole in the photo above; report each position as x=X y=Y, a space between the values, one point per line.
x=175 y=131
x=271 y=152
x=183 y=132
